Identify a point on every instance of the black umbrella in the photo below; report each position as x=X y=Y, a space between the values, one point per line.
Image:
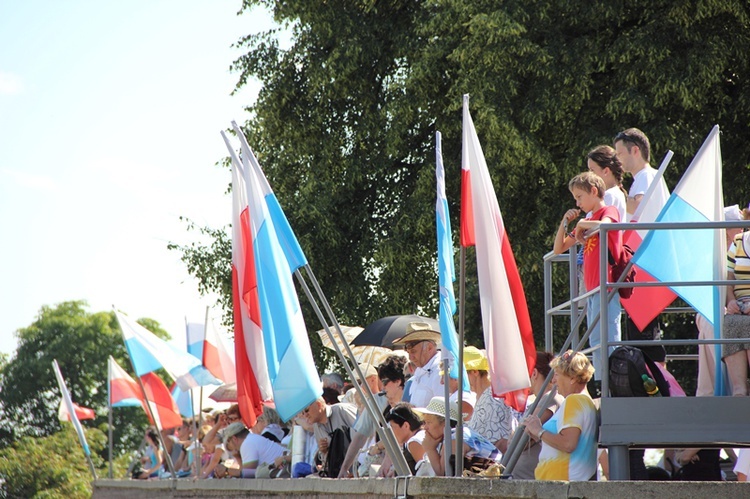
x=383 y=332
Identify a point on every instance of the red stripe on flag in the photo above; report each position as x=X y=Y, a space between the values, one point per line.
x=645 y=304
x=161 y=402
x=517 y=399
x=248 y=394
x=467 y=210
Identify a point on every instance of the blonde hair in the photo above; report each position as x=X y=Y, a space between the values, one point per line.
x=576 y=366
x=586 y=181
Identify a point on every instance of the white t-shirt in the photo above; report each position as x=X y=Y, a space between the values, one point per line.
x=259 y=449
x=743 y=462
x=615 y=197
x=641 y=181
x=426 y=383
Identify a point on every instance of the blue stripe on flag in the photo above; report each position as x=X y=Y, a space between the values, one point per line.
x=682 y=255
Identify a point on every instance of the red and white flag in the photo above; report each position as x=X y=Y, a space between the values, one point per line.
x=253 y=382
x=63 y=414
x=216 y=357
x=123 y=389
x=165 y=412
x=508 y=337
x=645 y=304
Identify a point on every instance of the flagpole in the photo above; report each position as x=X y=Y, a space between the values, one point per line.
x=168 y=458
x=200 y=405
x=461 y=320
x=73 y=417
x=109 y=412
x=383 y=428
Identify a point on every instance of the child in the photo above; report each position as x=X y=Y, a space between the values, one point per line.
x=588 y=191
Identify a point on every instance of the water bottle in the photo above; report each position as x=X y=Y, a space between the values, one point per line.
x=650 y=386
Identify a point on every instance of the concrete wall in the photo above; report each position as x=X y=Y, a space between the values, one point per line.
x=476 y=488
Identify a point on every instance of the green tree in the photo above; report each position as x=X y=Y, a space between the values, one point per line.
x=344 y=123
x=81 y=342
x=53 y=466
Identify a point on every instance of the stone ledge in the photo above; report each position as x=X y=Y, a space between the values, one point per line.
x=417 y=487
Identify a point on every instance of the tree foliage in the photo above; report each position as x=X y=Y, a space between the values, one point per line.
x=53 y=466
x=81 y=342
x=344 y=124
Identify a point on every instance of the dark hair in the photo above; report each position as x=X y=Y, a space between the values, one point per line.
x=403 y=413
x=542 y=362
x=151 y=433
x=330 y=395
x=605 y=157
x=633 y=136
x=392 y=368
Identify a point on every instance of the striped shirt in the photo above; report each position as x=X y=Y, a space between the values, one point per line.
x=738 y=262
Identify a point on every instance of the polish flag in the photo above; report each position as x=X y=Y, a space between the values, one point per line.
x=508 y=337
x=216 y=357
x=123 y=389
x=163 y=407
x=63 y=414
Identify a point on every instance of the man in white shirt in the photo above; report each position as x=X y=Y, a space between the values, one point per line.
x=420 y=342
x=634 y=152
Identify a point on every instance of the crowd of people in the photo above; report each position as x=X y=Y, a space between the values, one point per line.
x=337 y=436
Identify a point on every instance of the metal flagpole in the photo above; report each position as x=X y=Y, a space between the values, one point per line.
x=461 y=320
x=384 y=430
x=109 y=411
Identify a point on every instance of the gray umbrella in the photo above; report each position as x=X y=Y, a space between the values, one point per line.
x=383 y=332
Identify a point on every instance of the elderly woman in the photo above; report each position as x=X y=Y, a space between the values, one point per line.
x=478 y=452
x=569 y=437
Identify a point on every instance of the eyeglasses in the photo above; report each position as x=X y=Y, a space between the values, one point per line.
x=385 y=381
x=233 y=417
x=410 y=346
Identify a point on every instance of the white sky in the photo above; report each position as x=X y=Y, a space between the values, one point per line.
x=110 y=113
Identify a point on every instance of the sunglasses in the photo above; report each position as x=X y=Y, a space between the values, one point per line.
x=385 y=381
x=410 y=346
x=394 y=415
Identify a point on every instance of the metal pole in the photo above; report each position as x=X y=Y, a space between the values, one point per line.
x=383 y=429
x=447 y=446
x=461 y=342
x=109 y=413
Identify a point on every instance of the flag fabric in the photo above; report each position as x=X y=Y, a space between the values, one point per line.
x=217 y=358
x=467 y=209
x=149 y=352
x=63 y=413
x=195 y=336
x=508 y=337
x=123 y=389
x=183 y=399
x=446 y=269
x=692 y=254
x=646 y=304
x=71 y=411
x=164 y=413
x=253 y=383
x=270 y=294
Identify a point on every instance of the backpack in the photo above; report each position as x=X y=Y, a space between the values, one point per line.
x=626 y=366
x=618 y=267
x=340 y=440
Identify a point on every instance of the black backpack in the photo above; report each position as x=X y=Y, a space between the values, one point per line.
x=340 y=440
x=627 y=365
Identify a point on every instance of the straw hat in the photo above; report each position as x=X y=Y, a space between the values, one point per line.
x=367 y=370
x=418 y=331
x=436 y=407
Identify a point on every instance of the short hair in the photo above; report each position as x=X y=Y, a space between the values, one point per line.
x=586 y=181
x=404 y=412
x=543 y=360
x=234 y=409
x=333 y=380
x=270 y=416
x=605 y=157
x=392 y=368
x=633 y=136
x=575 y=365
x=331 y=395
